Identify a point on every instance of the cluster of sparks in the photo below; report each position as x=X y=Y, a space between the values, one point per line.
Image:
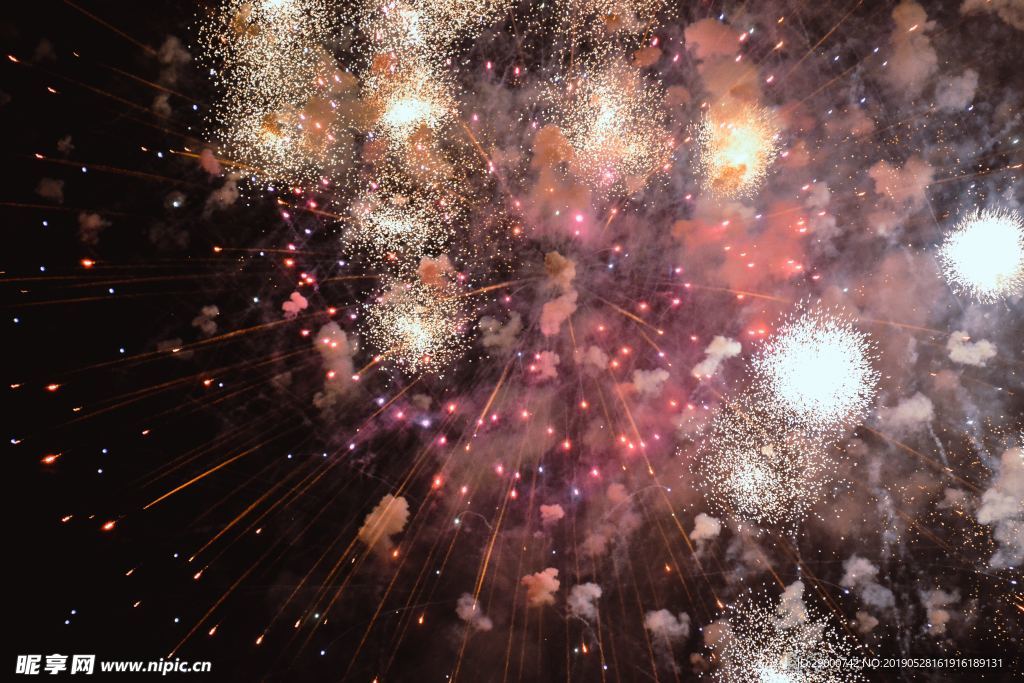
x=426 y=29
x=409 y=97
x=738 y=143
x=758 y=470
x=612 y=119
x=277 y=116
x=419 y=326
x=400 y=228
x=817 y=371
x=983 y=256
x=771 y=644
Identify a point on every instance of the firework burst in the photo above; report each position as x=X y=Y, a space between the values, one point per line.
x=406 y=226
x=737 y=145
x=984 y=255
x=282 y=114
x=780 y=643
x=427 y=29
x=612 y=119
x=817 y=371
x=755 y=467
x=408 y=97
x=422 y=327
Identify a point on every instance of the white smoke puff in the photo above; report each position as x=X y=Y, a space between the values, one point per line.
x=912 y=61
x=208 y=162
x=666 y=627
x=295 y=303
x=224 y=196
x=498 y=336
x=546 y=365
x=336 y=351
x=717 y=634
x=717 y=351
x=962 y=350
x=541 y=587
x=205 y=320
x=709 y=38
x=592 y=357
x=936 y=602
x=1001 y=507
x=557 y=311
x=384 y=521
x=595 y=543
x=65 y=146
x=866 y=623
x=648 y=383
x=581 y=600
x=905 y=186
x=956 y=92
x=162 y=105
x=90 y=225
x=705 y=527
x=791 y=610
x=907 y=415
x=860 y=575
x=51 y=189
x=469 y=611
x=549 y=514
x=1010 y=11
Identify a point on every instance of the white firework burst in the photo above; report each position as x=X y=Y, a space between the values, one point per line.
x=782 y=643
x=983 y=256
x=817 y=371
x=756 y=467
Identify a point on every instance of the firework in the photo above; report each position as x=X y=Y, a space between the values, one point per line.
x=407 y=98
x=585 y=16
x=781 y=643
x=421 y=327
x=737 y=145
x=427 y=29
x=984 y=255
x=281 y=113
x=757 y=468
x=401 y=225
x=817 y=371
x=613 y=121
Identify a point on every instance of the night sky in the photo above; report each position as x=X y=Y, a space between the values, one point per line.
x=482 y=340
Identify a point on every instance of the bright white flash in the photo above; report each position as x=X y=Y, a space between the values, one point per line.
x=818 y=370
x=984 y=255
